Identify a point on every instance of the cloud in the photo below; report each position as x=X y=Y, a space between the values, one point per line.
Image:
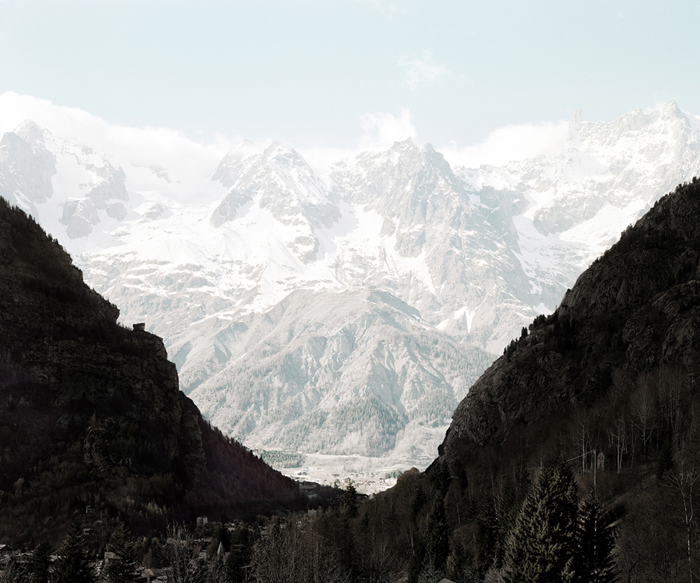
x=379 y=132
x=424 y=69
x=190 y=163
x=514 y=142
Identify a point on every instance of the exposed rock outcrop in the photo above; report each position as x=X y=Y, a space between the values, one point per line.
x=82 y=398
x=636 y=309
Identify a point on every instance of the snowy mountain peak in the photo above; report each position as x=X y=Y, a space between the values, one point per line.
x=671 y=109
x=30 y=133
x=252 y=267
x=407 y=145
x=278 y=180
x=26 y=167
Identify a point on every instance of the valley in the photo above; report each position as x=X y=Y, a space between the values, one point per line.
x=341 y=311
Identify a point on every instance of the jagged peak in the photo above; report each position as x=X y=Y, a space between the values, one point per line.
x=30 y=132
x=286 y=156
x=276 y=149
x=667 y=110
x=405 y=145
x=671 y=107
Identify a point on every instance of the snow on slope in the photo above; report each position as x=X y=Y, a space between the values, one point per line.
x=262 y=276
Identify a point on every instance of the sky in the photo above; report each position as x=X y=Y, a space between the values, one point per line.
x=339 y=74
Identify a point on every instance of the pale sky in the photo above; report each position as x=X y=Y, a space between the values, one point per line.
x=328 y=73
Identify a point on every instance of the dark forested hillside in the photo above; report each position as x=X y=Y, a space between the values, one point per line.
x=91 y=414
x=576 y=456
x=611 y=372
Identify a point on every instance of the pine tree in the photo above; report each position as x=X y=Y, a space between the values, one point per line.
x=122 y=569
x=239 y=557
x=488 y=529
x=542 y=545
x=14 y=572
x=40 y=564
x=438 y=547
x=349 y=502
x=595 y=544
x=419 y=500
x=72 y=565
x=441 y=478
x=665 y=462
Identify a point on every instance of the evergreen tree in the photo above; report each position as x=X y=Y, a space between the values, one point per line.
x=542 y=545
x=438 y=547
x=419 y=500
x=595 y=544
x=40 y=563
x=665 y=462
x=14 y=572
x=364 y=524
x=488 y=530
x=238 y=559
x=511 y=500
x=72 y=565
x=349 y=502
x=122 y=569
x=441 y=478
x=417 y=558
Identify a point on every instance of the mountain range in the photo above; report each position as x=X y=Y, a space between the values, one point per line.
x=91 y=415
x=343 y=311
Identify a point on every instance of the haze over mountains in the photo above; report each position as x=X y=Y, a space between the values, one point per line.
x=341 y=313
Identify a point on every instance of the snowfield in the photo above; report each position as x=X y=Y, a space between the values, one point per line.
x=342 y=314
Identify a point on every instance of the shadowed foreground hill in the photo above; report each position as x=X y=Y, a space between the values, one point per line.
x=635 y=311
x=91 y=413
x=613 y=370
x=608 y=384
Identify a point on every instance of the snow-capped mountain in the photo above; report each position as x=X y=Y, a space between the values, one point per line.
x=349 y=372
x=343 y=313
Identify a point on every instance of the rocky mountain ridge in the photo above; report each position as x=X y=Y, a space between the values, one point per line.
x=479 y=252
x=633 y=311
x=91 y=412
x=606 y=384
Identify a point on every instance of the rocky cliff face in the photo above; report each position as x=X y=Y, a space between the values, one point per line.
x=204 y=246
x=83 y=398
x=636 y=310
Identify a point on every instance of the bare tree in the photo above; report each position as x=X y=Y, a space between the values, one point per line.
x=683 y=479
x=294 y=553
x=643 y=410
x=617 y=437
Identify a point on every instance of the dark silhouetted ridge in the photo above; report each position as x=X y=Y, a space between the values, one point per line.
x=91 y=413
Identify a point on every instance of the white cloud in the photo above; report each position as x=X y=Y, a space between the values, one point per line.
x=515 y=142
x=191 y=163
x=379 y=132
x=424 y=69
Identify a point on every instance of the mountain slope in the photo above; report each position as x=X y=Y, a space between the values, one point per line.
x=91 y=413
x=606 y=384
x=345 y=373
x=634 y=310
x=479 y=252
x=608 y=380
